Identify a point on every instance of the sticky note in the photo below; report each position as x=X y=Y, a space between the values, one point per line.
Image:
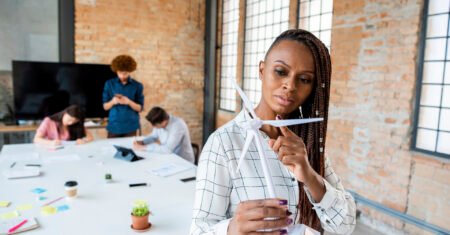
x=9 y=215
x=4 y=203
x=62 y=208
x=48 y=210
x=38 y=190
x=24 y=207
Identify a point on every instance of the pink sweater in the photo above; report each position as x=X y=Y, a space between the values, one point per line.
x=49 y=130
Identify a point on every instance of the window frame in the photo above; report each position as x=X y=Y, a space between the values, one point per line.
x=420 y=61
x=220 y=98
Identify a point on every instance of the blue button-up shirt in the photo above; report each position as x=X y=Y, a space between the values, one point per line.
x=122 y=118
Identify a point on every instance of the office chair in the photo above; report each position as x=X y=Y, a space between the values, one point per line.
x=196 y=149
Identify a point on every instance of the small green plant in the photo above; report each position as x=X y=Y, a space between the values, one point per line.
x=140 y=208
x=108 y=176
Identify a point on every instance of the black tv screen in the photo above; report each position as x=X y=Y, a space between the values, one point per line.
x=42 y=88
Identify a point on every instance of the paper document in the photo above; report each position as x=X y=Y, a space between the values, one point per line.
x=169 y=169
x=91 y=123
x=5 y=225
x=22 y=156
x=61 y=158
x=68 y=143
x=22 y=173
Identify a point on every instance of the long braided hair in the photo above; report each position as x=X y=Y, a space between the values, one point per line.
x=316 y=105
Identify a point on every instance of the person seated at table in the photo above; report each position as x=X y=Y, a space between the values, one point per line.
x=170 y=135
x=65 y=125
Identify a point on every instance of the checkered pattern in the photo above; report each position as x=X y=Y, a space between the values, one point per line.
x=220 y=188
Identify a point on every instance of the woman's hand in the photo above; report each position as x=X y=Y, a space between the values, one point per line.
x=56 y=142
x=292 y=153
x=250 y=217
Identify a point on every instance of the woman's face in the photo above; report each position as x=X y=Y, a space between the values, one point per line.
x=68 y=120
x=287 y=76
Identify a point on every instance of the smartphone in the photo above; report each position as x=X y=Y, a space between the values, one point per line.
x=188 y=179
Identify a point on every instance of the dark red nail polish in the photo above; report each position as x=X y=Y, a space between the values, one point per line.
x=289 y=221
x=282 y=202
x=283 y=232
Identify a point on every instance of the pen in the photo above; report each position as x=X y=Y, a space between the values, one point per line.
x=57 y=199
x=12 y=165
x=17 y=226
x=139 y=184
x=38 y=165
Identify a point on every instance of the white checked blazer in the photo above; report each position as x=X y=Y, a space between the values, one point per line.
x=219 y=189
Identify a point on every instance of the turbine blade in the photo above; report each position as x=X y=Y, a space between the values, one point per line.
x=247 y=103
x=250 y=136
x=290 y=122
x=264 y=164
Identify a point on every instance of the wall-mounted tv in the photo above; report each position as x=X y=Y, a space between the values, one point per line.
x=44 y=88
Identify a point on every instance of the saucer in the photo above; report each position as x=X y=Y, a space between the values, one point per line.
x=142 y=230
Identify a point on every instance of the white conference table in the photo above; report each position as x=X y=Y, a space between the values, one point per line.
x=100 y=208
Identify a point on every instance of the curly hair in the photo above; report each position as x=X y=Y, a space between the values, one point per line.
x=123 y=63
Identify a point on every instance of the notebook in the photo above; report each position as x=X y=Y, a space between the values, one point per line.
x=22 y=173
x=5 y=225
x=169 y=169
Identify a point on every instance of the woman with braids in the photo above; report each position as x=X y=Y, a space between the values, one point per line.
x=65 y=125
x=295 y=78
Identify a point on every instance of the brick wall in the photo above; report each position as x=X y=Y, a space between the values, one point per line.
x=167 y=40
x=374 y=52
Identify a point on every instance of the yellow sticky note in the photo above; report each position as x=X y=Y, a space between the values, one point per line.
x=24 y=207
x=4 y=203
x=9 y=215
x=48 y=210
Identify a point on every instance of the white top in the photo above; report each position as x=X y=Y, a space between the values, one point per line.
x=174 y=138
x=219 y=189
x=100 y=207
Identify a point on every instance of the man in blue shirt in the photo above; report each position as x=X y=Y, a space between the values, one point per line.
x=124 y=99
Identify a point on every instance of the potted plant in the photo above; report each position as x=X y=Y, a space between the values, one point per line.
x=139 y=215
x=108 y=178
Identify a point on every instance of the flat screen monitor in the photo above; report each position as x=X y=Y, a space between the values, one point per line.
x=43 y=88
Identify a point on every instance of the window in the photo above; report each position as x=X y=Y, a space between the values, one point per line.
x=432 y=128
x=230 y=23
x=316 y=17
x=263 y=22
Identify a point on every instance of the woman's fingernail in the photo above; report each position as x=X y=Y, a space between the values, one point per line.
x=278 y=117
x=288 y=213
x=282 y=202
x=282 y=232
x=289 y=221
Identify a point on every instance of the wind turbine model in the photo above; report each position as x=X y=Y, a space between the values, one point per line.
x=252 y=127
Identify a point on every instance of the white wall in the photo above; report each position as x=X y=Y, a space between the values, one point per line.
x=28 y=31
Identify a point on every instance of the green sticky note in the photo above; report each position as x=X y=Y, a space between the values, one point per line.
x=9 y=215
x=4 y=203
x=48 y=210
x=24 y=207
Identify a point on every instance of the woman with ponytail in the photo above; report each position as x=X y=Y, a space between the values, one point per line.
x=295 y=76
